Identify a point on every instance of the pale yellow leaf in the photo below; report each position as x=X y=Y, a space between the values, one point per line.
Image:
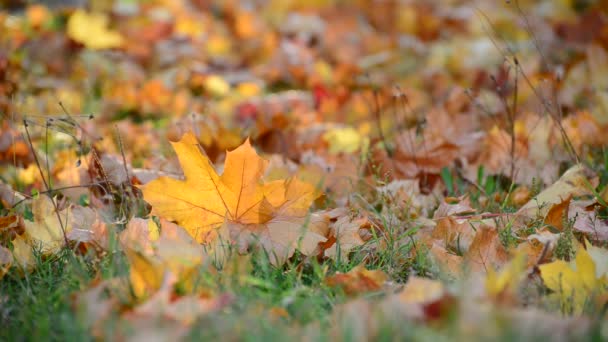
x=48 y=229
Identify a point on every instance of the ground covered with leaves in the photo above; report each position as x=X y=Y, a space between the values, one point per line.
x=310 y=170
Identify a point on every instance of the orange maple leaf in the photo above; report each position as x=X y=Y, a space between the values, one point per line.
x=271 y=213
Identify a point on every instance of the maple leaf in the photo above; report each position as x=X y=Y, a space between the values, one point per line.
x=574 y=283
x=358 y=280
x=587 y=220
x=91 y=30
x=274 y=212
x=146 y=273
x=558 y=212
x=486 y=250
x=159 y=253
x=503 y=285
x=47 y=230
x=446 y=261
x=447 y=137
x=281 y=236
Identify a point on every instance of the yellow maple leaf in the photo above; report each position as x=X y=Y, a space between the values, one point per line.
x=574 y=283
x=146 y=273
x=23 y=255
x=503 y=284
x=91 y=30
x=159 y=253
x=274 y=214
x=343 y=140
x=216 y=86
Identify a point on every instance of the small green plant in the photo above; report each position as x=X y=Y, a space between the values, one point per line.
x=565 y=244
x=506 y=236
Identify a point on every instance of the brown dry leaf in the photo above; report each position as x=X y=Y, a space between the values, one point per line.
x=486 y=251
x=112 y=168
x=558 y=213
x=276 y=212
x=586 y=221
x=538 y=247
x=543 y=239
x=10 y=227
x=520 y=196
x=282 y=235
x=583 y=130
x=454 y=232
x=533 y=252
x=428 y=157
x=345 y=231
x=460 y=206
x=405 y=194
x=139 y=235
x=358 y=280
x=67 y=173
x=336 y=174
x=574 y=182
x=447 y=262
x=448 y=137
x=88 y=228
x=13 y=147
x=8 y=196
x=496 y=154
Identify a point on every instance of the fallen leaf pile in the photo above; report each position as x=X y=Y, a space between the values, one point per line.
x=417 y=167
